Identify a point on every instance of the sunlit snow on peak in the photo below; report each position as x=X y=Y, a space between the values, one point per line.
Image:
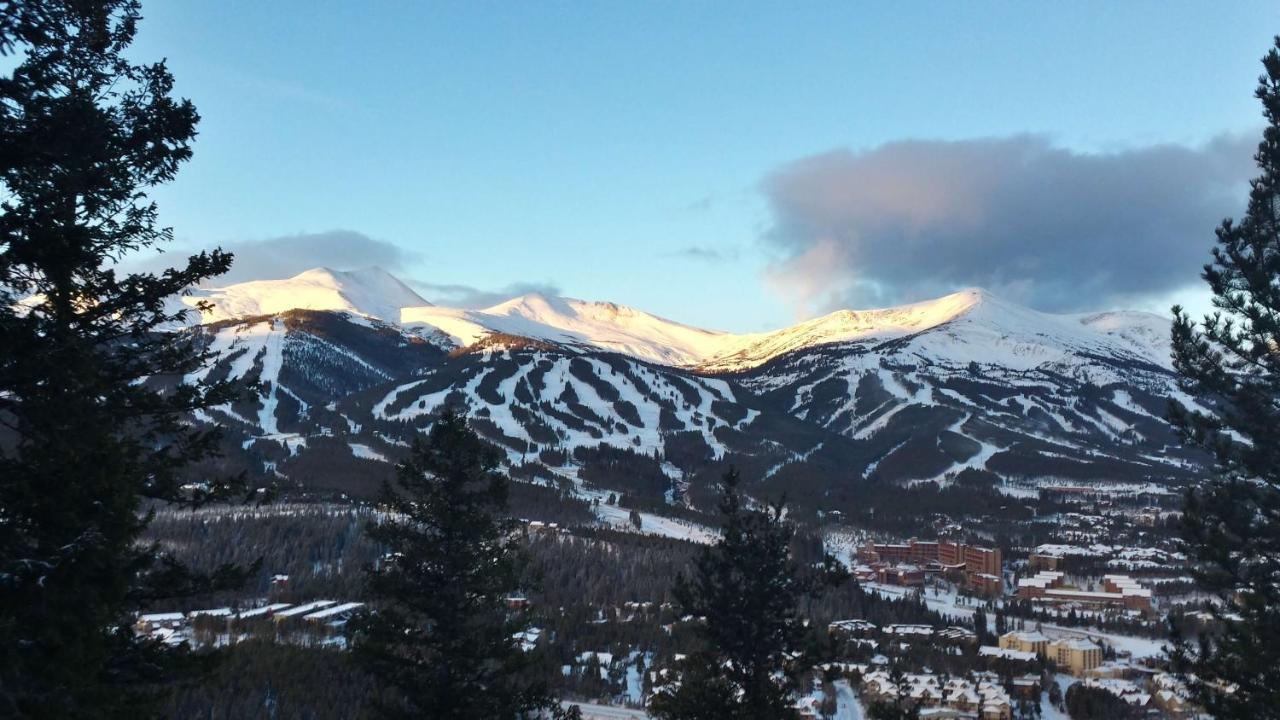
x=969 y=325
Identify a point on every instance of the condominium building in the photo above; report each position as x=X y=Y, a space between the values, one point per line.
x=1119 y=590
x=1030 y=642
x=1075 y=656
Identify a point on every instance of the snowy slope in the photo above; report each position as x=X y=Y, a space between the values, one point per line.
x=970 y=325
x=1146 y=333
x=371 y=292
x=844 y=326
x=968 y=382
x=595 y=325
x=617 y=328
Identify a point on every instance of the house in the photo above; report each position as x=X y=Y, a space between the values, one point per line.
x=850 y=627
x=932 y=698
x=958 y=634
x=1027 y=686
x=1123 y=689
x=909 y=630
x=1172 y=697
x=148 y=623
x=963 y=696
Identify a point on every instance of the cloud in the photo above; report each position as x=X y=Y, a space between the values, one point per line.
x=700 y=205
x=286 y=256
x=1057 y=229
x=467 y=296
x=705 y=253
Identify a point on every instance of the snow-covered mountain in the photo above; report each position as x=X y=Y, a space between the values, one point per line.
x=987 y=328
x=978 y=326
x=965 y=385
x=372 y=292
x=577 y=324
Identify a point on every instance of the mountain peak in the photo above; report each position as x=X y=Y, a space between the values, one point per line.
x=370 y=292
x=969 y=322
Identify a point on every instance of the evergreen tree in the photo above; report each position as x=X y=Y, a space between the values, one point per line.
x=1232 y=522
x=745 y=591
x=92 y=418
x=980 y=627
x=441 y=634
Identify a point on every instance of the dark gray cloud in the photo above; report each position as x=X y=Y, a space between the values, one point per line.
x=286 y=256
x=468 y=296
x=1057 y=229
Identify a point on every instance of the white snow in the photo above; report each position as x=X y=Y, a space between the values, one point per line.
x=969 y=325
x=371 y=292
x=364 y=451
x=305 y=609
x=272 y=362
x=598 y=325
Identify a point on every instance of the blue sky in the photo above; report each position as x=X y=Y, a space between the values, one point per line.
x=632 y=151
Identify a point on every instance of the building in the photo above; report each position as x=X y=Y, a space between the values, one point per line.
x=1027 y=642
x=1075 y=656
x=957 y=634
x=904 y=575
x=149 y=623
x=298 y=611
x=935 y=697
x=1127 y=691
x=1045 y=561
x=1171 y=696
x=851 y=628
x=986 y=585
x=913 y=551
x=991 y=651
x=975 y=558
x=1027 y=686
x=1118 y=590
x=980 y=567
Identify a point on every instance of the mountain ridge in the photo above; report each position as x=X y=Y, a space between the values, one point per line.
x=965 y=388
x=606 y=326
x=370 y=292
